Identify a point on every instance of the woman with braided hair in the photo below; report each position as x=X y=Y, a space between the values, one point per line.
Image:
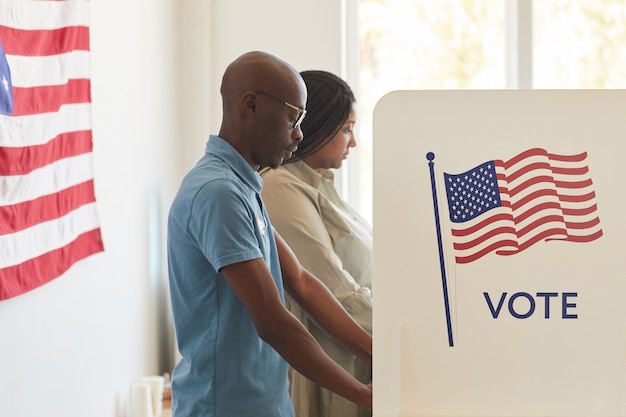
x=328 y=236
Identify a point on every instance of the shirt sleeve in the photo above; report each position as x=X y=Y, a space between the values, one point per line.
x=223 y=224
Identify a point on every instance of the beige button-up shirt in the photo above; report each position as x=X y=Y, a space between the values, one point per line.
x=334 y=242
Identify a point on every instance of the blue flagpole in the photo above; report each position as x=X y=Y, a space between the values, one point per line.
x=431 y=156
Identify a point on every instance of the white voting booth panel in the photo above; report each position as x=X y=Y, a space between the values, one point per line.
x=515 y=304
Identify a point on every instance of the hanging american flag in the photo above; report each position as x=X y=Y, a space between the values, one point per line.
x=508 y=206
x=48 y=217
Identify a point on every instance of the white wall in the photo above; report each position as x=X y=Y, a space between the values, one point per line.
x=309 y=34
x=73 y=347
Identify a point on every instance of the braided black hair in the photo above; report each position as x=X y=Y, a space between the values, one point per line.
x=330 y=100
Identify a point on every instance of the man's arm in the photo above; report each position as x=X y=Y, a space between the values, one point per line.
x=321 y=305
x=252 y=283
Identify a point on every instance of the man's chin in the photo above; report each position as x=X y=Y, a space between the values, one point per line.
x=273 y=164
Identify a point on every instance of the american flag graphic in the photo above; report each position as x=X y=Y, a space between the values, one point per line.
x=48 y=218
x=507 y=206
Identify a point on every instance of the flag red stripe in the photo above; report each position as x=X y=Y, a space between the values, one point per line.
x=543 y=220
x=532 y=196
x=504 y=191
x=44 y=42
x=482 y=224
x=541 y=236
x=545 y=165
x=568 y=158
x=542 y=152
x=582 y=239
x=484 y=251
x=580 y=211
x=530 y=182
x=528 y=168
x=536 y=209
x=583 y=225
x=577 y=198
x=23 y=215
x=526 y=154
x=571 y=171
x=50 y=98
x=574 y=184
x=20 y=161
x=18 y=279
x=485 y=236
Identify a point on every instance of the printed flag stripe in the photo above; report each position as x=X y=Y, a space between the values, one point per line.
x=581 y=211
x=29 y=213
x=583 y=225
x=547 y=166
x=22 y=160
x=527 y=198
x=529 y=183
x=44 y=42
x=525 y=169
x=484 y=237
x=531 y=227
x=40 y=129
x=50 y=179
x=565 y=158
x=538 y=208
x=573 y=184
x=543 y=196
x=545 y=154
x=542 y=235
x=484 y=251
x=44 y=237
x=473 y=229
x=577 y=198
x=583 y=238
x=570 y=171
x=48 y=99
x=38 y=271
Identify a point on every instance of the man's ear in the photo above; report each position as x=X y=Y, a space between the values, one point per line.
x=249 y=103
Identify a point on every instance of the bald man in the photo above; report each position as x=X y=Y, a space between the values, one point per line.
x=228 y=268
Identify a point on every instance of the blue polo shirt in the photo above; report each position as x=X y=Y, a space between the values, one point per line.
x=216 y=219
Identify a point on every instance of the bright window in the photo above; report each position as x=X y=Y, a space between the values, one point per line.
x=579 y=44
x=478 y=44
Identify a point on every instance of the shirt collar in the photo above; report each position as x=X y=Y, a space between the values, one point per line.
x=309 y=175
x=225 y=151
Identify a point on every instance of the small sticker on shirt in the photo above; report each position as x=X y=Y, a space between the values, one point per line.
x=261 y=223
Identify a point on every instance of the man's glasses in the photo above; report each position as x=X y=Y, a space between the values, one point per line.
x=301 y=112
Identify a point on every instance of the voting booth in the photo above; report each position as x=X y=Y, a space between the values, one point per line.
x=500 y=253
